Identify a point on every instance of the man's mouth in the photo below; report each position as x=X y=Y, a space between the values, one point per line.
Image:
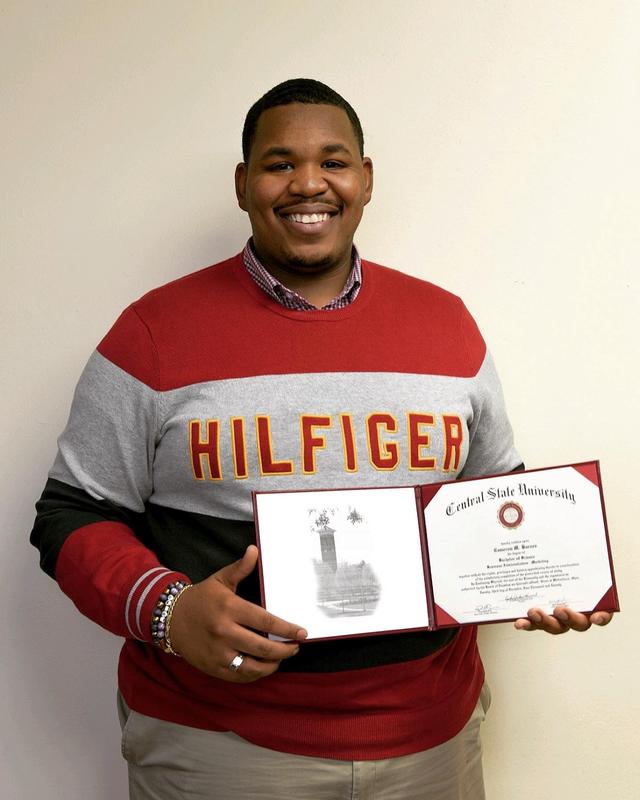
x=307 y=219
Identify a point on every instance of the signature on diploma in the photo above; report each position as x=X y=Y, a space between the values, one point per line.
x=519 y=598
x=487 y=608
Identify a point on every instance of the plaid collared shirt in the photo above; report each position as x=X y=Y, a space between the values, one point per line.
x=291 y=299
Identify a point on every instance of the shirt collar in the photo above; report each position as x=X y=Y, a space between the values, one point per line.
x=290 y=299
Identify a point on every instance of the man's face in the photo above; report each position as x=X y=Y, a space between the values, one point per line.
x=304 y=187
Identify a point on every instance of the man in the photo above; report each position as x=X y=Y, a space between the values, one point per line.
x=292 y=365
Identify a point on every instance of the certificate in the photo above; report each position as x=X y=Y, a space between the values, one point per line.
x=356 y=562
x=501 y=545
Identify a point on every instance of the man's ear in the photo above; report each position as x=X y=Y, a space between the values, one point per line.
x=367 y=166
x=241 y=184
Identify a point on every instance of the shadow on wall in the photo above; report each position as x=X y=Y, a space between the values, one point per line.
x=66 y=666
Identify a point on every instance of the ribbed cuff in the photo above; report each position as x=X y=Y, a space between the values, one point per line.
x=143 y=598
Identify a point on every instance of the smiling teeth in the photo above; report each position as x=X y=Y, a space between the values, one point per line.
x=308 y=218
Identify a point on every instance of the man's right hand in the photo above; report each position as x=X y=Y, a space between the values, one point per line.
x=211 y=625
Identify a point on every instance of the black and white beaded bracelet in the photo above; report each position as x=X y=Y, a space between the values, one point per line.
x=161 y=618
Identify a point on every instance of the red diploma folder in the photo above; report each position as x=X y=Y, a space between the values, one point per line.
x=363 y=561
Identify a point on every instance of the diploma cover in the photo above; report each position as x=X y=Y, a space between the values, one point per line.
x=357 y=562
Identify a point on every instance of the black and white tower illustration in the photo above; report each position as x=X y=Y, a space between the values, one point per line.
x=328 y=547
x=345 y=587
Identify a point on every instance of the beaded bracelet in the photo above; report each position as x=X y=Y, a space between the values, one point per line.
x=161 y=619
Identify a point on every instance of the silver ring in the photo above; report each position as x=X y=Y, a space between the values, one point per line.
x=235 y=665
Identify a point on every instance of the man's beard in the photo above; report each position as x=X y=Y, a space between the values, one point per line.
x=310 y=264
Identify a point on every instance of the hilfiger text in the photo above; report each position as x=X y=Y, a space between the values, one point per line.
x=385 y=436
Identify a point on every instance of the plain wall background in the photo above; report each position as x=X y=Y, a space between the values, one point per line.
x=504 y=137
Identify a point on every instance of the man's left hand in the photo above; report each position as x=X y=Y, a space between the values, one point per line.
x=562 y=620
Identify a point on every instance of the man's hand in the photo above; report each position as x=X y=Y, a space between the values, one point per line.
x=211 y=625
x=562 y=620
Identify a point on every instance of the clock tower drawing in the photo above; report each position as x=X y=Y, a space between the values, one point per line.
x=328 y=547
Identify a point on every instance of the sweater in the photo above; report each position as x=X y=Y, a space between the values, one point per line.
x=205 y=390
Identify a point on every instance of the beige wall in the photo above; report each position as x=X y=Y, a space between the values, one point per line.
x=505 y=141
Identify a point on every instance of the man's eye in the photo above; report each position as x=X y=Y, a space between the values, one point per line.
x=332 y=164
x=281 y=166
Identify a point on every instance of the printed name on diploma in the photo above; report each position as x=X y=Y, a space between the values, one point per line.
x=497 y=493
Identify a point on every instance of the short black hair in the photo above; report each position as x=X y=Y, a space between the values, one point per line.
x=297 y=90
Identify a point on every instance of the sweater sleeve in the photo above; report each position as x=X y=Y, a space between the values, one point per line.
x=491 y=445
x=90 y=523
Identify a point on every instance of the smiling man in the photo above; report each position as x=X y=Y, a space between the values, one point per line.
x=294 y=364
x=304 y=184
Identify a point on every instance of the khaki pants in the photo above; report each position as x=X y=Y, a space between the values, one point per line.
x=174 y=762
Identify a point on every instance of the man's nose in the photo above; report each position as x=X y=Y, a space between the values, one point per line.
x=308 y=180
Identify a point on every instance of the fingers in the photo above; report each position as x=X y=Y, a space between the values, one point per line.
x=231 y=575
x=238 y=637
x=259 y=619
x=601 y=618
x=261 y=656
x=572 y=619
x=215 y=654
x=537 y=620
x=242 y=626
x=250 y=670
x=562 y=620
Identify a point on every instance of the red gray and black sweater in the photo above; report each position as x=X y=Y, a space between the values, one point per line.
x=206 y=389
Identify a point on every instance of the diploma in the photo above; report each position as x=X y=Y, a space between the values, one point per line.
x=498 y=546
x=356 y=562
